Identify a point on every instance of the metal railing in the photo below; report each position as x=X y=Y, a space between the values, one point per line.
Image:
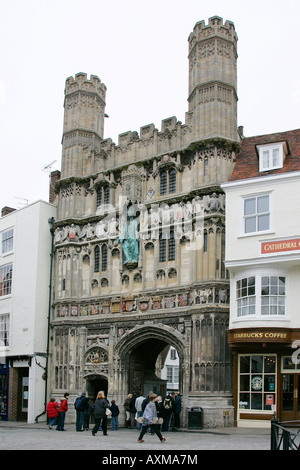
x=285 y=435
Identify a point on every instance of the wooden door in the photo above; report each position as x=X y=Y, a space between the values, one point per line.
x=290 y=406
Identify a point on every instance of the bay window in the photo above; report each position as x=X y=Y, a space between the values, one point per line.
x=261 y=295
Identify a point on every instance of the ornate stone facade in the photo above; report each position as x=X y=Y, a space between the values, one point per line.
x=139 y=240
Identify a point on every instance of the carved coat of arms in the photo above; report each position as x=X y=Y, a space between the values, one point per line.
x=144 y=304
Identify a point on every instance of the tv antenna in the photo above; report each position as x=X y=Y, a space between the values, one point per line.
x=48 y=167
x=24 y=201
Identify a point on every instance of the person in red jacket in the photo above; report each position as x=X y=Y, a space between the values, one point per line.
x=52 y=412
x=62 y=413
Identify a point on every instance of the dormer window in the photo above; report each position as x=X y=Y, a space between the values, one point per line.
x=271 y=156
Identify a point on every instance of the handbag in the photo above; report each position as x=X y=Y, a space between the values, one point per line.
x=107 y=412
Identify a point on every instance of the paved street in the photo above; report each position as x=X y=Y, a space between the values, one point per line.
x=21 y=436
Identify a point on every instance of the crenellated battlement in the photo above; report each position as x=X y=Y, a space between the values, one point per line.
x=215 y=27
x=81 y=82
x=212 y=111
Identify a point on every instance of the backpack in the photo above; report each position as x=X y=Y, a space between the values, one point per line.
x=167 y=404
x=79 y=404
x=144 y=404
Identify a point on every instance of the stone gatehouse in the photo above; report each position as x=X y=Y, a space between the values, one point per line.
x=139 y=240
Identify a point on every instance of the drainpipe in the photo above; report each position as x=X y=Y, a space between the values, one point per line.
x=50 y=222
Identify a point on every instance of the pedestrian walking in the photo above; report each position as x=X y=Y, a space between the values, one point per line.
x=127 y=410
x=114 y=415
x=138 y=407
x=81 y=406
x=52 y=412
x=101 y=404
x=63 y=408
x=150 y=419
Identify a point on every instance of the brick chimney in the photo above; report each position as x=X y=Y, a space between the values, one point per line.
x=7 y=210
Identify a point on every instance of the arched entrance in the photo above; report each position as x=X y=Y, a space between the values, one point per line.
x=94 y=384
x=142 y=352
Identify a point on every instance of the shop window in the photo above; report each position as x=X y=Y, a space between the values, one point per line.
x=291 y=363
x=257 y=382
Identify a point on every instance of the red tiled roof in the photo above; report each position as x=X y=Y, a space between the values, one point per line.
x=247 y=164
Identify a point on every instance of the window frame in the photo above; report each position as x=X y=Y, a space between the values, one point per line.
x=8 y=282
x=167 y=247
x=260 y=377
x=256 y=214
x=100 y=258
x=9 y=240
x=168 y=181
x=6 y=332
x=258 y=296
x=282 y=150
x=103 y=196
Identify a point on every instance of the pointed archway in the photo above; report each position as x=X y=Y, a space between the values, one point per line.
x=138 y=351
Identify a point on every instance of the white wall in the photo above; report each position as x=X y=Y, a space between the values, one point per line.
x=285 y=213
x=243 y=256
x=28 y=303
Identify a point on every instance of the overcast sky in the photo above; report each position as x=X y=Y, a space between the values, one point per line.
x=139 y=50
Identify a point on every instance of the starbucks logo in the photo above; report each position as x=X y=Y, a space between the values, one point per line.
x=256 y=383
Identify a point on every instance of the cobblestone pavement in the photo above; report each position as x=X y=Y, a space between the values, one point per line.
x=22 y=436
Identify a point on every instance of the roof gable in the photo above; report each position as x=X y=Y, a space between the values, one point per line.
x=247 y=161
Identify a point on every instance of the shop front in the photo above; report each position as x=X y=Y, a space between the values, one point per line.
x=266 y=375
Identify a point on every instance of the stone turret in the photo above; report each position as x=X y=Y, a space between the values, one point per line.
x=213 y=80
x=84 y=112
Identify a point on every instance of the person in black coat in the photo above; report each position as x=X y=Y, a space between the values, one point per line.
x=100 y=413
x=81 y=405
x=168 y=408
x=177 y=410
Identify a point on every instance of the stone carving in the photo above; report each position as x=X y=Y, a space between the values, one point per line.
x=97 y=356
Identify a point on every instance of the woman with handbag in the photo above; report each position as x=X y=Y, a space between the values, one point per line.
x=101 y=405
x=150 y=419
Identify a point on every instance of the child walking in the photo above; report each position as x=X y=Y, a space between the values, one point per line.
x=114 y=415
x=150 y=419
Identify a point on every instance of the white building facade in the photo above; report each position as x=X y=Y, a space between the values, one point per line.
x=170 y=370
x=263 y=259
x=25 y=264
